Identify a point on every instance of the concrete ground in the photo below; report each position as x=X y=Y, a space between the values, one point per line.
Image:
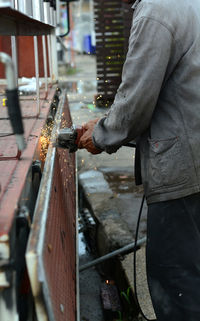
x=108 y=183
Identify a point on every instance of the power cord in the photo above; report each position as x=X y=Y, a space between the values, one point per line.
x=134 y=262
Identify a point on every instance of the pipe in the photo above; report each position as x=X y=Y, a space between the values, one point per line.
x=132 y=246
x=45 y=63
x=68 y=21
x=62 y=43
x=9 y=70
x=14 y=111
x=14 y=56
x=49 y=56
x=58 y=12
x=37 y=73
x=46 y=5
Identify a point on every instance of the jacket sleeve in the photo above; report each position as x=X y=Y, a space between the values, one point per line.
x=150 y=46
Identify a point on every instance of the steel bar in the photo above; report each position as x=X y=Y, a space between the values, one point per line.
x=62 y=43
x=25 y=6
x=47 y=12
x=49 y=55
x=54 y=59
x=37 y=74
x=45 y=62
x=58 y=12
x=14 y=56
x=77 y=250
x=127 y=248
x=38 y=10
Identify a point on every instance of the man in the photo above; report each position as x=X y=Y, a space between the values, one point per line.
x=158 y=105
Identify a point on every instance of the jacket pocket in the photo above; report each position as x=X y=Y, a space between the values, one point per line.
x=167 y=163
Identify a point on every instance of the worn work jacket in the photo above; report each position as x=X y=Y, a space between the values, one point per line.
x=158 y=100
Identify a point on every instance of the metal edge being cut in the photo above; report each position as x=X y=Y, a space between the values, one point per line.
x=77 y=252
x=35 y=246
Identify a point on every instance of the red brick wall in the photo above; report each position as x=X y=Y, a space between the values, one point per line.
x=26 y=62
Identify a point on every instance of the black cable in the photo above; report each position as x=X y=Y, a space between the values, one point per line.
x=134 y=262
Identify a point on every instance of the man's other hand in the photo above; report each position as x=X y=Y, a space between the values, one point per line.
x=86 y=139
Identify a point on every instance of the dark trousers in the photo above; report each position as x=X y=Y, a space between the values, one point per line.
x=173 y=258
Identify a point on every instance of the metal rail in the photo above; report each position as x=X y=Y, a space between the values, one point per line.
x=127 y=248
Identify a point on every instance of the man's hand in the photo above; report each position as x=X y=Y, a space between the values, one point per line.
x=86 y=139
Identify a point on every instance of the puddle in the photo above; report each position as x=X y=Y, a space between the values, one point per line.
x=128 y=198
x=122 y=183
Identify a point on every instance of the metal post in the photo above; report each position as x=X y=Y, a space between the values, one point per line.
x=47 y=12
x=37 y=74
x=45 y=62
x=38 y=10
x=58 y=12
x=16 y=4
x=25 y=6
x=51 y=14
x=54 y=55
x=14 y=56
x=49 y=55
x=77 y=250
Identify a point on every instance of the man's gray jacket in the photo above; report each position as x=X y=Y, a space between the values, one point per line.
x=158 y=100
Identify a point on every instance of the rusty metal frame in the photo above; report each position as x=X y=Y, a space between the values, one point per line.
x=35 y=256
x=77 y=253
x=34 y=260
x=41 y=270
